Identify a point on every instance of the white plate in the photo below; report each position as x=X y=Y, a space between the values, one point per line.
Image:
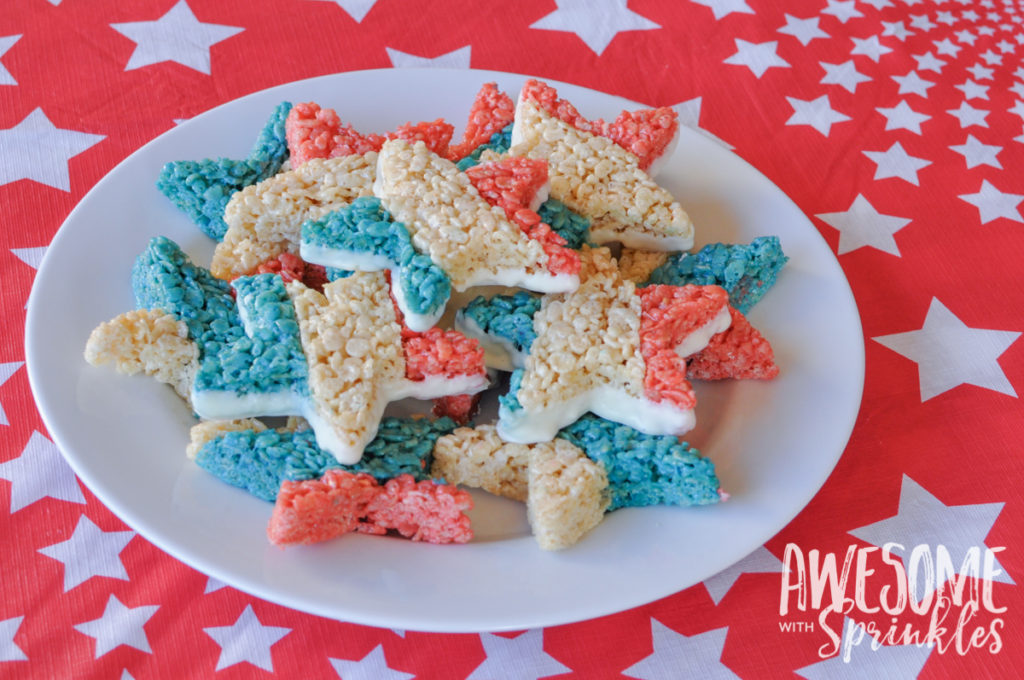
x=774 y=444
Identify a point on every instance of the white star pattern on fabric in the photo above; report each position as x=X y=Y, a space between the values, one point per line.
x=455 y=59
x=818 y=113
x=980 y=72
x=928 y=62
x=945 y=18
x=6 y=371
x=804 y=30
x=896 y=29
x=676 y=655
x=948 y=353
x=1005 y=46
x=596 y=22
x=991 y=58
x=30 y=256
x=1017 y=89
x=993 y=204
x=913 y=84
x=878 y=4
x=758 y=57
x=844 y=10
x=845 y=74
x=896 y=162
x=761 y=561
x=975 y=153
x=689 y=115
x=373 y=666
x=213 y=585
x=119 y=625
x=922 y=519
x=947 y=47
x=89 y=552
x=246 y=640
x=6 y=42
x=902 y=117
x=39 y=472
x=968 y=115
x=869 y=47
x=895 y=662
x=1018 y=109
x=519 y=658
x=862 y=225
x=973 y=90
x=921 y=22
x=723 y=8
x=38 y=150
x=966 y=37
x=8 y=650
x=177 y=36
x=357 y=9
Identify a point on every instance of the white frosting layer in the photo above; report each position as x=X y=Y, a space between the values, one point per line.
x=227 y=405
x=523 y=427
x=344 y=259
x=659 y=163
x=632 y=238
x=541 y=282
x=499 y=353
x=415 y=321
x=699 y=339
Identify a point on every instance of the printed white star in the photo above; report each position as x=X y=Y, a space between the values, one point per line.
x=519 y=658
x=945 y=18
x=596 y=22
x=1017 y=89
x=38 y=150
x=357 y=9
x=843 y=10
x=6 y=371
x=30 y=256
x=213 y=585
x=922 y=22
x=869 y=47
x=993 y=204
x=119 y=625
x=676 y=655
x=975 y=153
x=972 y=16
x=991 y=58
x=176 y=36
x=845 y=74
x=246 y=640
x=689 y=115
x=947 y=47
x=895 y=29
x=1019 y=73
x=373 y=666
x=948 y=353
x=973 y=90
x=758 y=57
x=818 y=113
x=8 y=650
x=928 y=62
x=761 y=561
x=966 y=37
x=922 y=519
x=39 y=472
x=723 y=8
x=913 y=84
x=981 y=72
x=804 y=30
x=90 y=552
x=878 y=4
x=968 y=115
x=857 y=658
x=902 y=117
x=6 y=43
x=896 y=162
x=862 y=225
x=1005 y=46
x=1018 y=109
x=455 y=59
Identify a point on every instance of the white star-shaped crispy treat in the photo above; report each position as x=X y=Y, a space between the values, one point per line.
x=448 y=220
x=265 y=219
x=599 y=178
x=176 y=36
x=592 y=352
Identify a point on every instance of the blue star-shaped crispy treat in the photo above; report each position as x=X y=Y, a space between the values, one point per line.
x=745 y=271
x=203 y=188
x=258 y=459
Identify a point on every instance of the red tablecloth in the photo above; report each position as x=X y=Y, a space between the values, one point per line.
x=895 y=124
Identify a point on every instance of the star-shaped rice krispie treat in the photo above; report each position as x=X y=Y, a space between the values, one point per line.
x=598 y=168
x=203 y=188
x=449 y=220
x=606 y=348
